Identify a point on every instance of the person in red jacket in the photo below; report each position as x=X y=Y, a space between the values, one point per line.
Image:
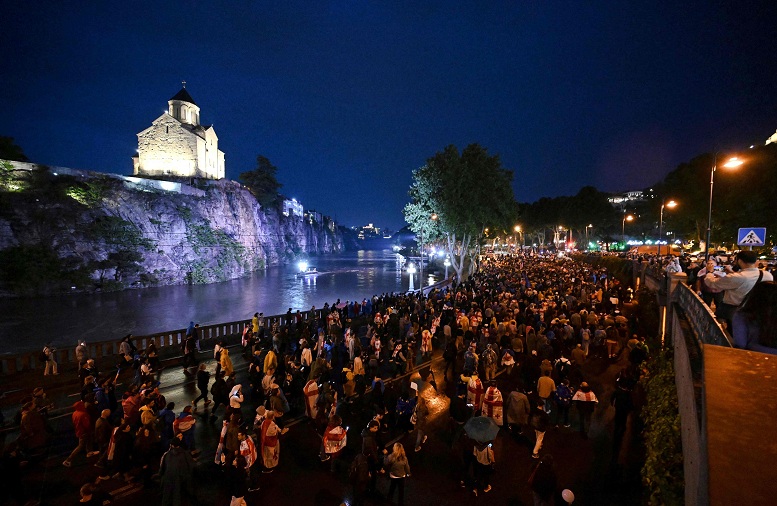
x=84 y=432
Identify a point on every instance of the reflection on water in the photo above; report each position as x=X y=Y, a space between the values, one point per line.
x=26 y=324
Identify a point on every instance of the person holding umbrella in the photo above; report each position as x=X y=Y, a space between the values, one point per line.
x=484 y=466
x=482 y=430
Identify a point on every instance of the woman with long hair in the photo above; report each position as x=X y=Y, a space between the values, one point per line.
x=755 y=323
x=399 y=469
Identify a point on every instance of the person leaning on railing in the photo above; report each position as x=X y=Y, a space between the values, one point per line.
x=737 y=283
x=755 y=323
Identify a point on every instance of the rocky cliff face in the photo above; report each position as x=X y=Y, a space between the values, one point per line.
x=77 y=230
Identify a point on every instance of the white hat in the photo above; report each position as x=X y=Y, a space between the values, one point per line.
x=414 y=386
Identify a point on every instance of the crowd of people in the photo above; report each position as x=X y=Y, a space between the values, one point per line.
x=740 y=290
x=525 y=324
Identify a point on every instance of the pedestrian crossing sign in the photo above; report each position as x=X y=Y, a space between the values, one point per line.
x=751 y=236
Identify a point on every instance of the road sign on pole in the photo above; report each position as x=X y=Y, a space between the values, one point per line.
x=751 y=236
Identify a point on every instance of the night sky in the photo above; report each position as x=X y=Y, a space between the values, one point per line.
x=346 y=98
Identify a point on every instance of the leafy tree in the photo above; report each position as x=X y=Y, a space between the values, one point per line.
x=468 y=192
x=10 y=151
x=262 y=182
x=126 y=262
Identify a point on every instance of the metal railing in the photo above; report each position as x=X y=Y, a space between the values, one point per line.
x=705 y=327
x=167 y=342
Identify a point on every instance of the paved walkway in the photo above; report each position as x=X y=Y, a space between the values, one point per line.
x=583 y=465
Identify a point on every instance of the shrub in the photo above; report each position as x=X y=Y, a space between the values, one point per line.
x=662 y=472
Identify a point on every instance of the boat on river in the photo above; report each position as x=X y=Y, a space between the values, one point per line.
x=309 y=271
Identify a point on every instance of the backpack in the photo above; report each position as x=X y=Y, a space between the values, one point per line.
x=562 y=368
x=43 y=357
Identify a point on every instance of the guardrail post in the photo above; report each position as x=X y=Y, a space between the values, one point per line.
x=671 y=282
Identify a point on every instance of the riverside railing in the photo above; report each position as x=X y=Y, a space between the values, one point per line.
x=168 y=345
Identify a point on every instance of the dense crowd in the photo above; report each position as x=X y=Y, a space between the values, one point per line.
x=529 y=321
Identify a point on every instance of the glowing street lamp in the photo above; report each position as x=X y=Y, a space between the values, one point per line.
x=671 y=205
x=518 y=230
x=411 y=271
x=447 y=264
x=732 y=163
x=626 y=218
x=586 y=234
x=434 y=217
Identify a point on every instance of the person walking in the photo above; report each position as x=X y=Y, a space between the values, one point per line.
x=235 y=477
x=419 y=418
x=82 y=354
x=249 y=454
x=183 y=426
x=203 y=377
x=334 y=440
x=370 y=451
x=236 y=400
x=84 y=432
x=189 y=349
x=359 y=477
x=546 y=387
x=166 y=420
x=539 y=421
x=103 y=428
x=51 y=360
x=518 y=410
x=226 y=363
x=484 y=464
x=493 y=404
x=176 y=470
x=563 y=398
x=475 y=391
x=398 y=469
x=585 y=401
x=489 y=362
x=270 y=443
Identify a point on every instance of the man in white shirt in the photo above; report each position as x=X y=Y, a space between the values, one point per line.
x=737 y=284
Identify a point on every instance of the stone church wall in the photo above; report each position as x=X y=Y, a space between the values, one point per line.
x=167 y=148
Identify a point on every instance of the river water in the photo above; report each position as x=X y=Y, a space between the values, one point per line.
x=26 y=324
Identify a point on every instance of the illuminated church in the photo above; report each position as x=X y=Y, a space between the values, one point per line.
x=176 y=144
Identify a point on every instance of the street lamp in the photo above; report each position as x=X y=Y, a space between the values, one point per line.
x=671 y=204
x=586 y=235
x=518 y=230
x=411 y=271
x=626 y=218
x=732 y=163
x=434 y=217
x=447 y=264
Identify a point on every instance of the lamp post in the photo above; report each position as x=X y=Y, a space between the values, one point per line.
x=518 y=231
x=421 y=263
x=671 y=204
x=411 y=271
x=586 y=235
x=447 y=264
x=626 y=218
x=732 y=163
